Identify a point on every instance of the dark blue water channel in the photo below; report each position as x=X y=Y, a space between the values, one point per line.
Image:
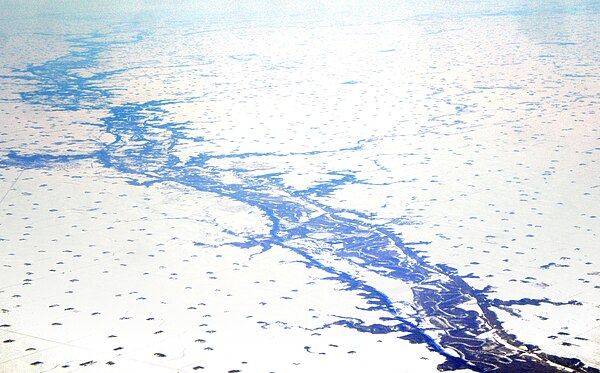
x=438 y=290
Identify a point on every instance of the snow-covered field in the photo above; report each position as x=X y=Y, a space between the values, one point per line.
x=270 y=187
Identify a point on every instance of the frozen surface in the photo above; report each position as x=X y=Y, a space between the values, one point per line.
x=268 y=187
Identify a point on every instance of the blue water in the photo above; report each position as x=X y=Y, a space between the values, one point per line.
x=146 y=160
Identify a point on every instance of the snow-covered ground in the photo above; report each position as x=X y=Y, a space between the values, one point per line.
x=272 y=187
